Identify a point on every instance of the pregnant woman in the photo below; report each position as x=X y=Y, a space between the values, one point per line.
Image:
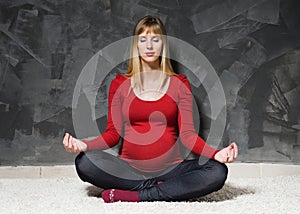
x=150 y=109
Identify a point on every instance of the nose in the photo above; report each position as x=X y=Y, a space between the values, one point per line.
x=149 y=44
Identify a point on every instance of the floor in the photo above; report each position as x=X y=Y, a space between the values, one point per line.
x=69 y=195
x=250 y=188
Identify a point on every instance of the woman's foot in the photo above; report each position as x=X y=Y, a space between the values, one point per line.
x=114 y=195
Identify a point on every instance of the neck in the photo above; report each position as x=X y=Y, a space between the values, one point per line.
x=150 y=66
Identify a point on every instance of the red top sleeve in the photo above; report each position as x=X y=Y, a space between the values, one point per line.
x=111 y=136
x=188 y=136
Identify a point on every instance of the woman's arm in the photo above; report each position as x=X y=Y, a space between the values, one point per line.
x=188 y=136
x=111 y=135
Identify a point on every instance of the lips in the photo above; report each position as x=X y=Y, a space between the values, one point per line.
x=150 y=54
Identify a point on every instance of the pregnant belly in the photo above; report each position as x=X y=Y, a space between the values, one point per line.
x=152 y=157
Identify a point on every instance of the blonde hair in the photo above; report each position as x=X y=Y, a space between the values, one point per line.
x=155 y=25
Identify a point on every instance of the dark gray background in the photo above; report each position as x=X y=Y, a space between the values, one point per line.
x=252 y=44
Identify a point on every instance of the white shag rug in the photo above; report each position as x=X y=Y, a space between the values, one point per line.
x=70 y=195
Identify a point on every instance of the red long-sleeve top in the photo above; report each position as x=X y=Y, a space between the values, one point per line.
x=150 y=129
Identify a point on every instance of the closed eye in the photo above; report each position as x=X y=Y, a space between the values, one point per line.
x=155 y=39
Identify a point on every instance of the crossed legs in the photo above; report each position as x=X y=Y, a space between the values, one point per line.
x=187 y=180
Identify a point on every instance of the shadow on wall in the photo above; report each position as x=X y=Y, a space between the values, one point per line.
x=228 y=192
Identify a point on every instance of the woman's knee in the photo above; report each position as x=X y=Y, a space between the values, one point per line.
x=86 y=161
x=220 y=174
x=82 y=164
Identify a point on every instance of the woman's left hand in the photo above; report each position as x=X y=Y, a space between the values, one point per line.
x=228 y=154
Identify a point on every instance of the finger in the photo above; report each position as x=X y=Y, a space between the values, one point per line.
x=226 y=159
x=226 y=155
x=236 y=151
x=75 y=144
x=230 y=159
x=233 y=155
x=232 y=145
x=79 y=145
x=65 y=140
x=70 y=142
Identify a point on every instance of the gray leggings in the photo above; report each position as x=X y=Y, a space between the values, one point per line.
x=186 y=180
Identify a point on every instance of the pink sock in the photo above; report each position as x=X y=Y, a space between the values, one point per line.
x=114 y=195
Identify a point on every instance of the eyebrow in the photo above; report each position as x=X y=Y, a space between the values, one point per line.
x=151 y=37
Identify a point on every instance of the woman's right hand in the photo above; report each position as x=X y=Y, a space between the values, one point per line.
x=72 y=144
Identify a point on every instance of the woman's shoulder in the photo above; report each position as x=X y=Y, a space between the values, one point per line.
x=119 y=78
x=118 y=81
x=182 y=78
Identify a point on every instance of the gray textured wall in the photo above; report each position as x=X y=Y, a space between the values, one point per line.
x=254 y=46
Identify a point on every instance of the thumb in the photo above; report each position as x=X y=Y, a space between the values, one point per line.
x=232 y=145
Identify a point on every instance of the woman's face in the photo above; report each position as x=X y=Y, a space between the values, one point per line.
x=149 y=46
